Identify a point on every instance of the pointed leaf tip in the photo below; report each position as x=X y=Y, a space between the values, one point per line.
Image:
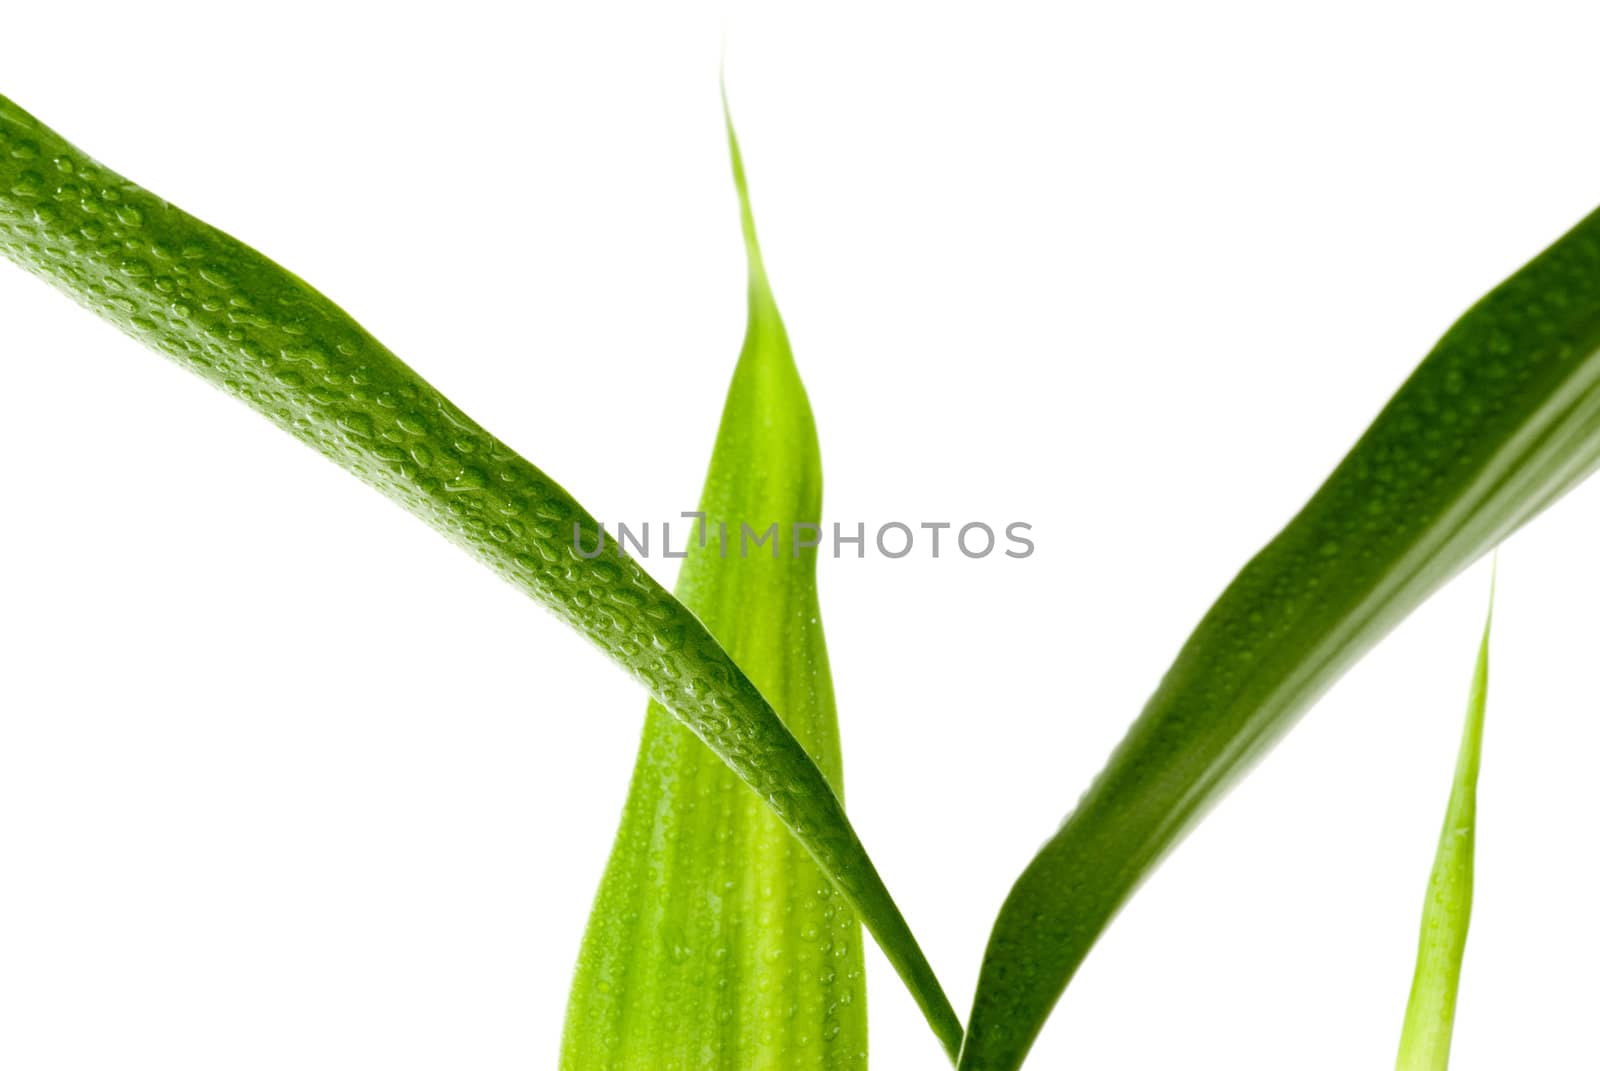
x=1447 y=908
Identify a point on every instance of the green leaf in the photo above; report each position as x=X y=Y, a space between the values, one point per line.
x=714 y=940
x=227 y=313
x=1499 y=421
x=1447 y=911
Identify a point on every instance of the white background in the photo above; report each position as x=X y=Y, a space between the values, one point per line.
x=286 y=781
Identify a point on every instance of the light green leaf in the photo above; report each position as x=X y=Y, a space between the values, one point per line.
x=227 y=313
x=1500 y=420
x=1447 y=911
x=714 y=940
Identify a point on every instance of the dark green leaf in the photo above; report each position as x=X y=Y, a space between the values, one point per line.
x=227 y=313
x=1500 y=420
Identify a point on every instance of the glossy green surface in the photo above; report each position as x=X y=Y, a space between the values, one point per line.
x=1447 y=909
x=1500 y=420
x=715 y=942
x=227 y=313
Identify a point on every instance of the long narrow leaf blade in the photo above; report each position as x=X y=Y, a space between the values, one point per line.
x=227 y=313
x=1501 y=419
x=1447 y=910
x=714 y=940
